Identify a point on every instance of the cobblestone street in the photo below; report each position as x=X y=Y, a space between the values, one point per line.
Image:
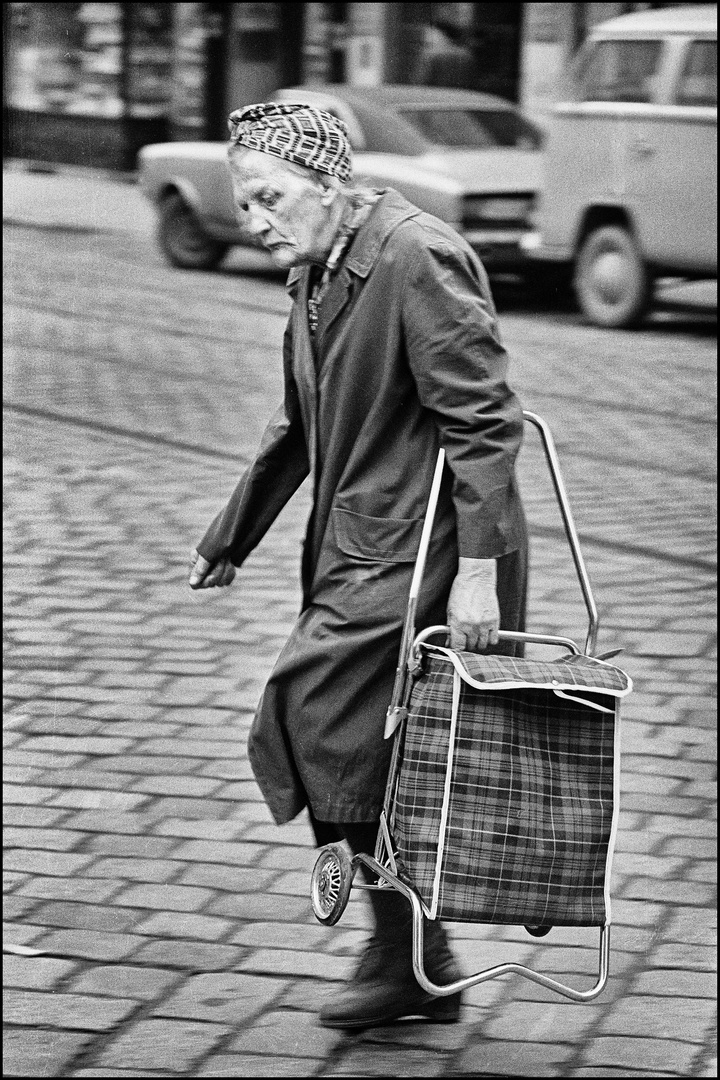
x=164 y=921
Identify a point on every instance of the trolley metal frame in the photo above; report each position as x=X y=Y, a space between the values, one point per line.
x=334 y=872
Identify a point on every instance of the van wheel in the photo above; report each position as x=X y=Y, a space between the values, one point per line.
x=182 y=240
x=612 y=283
x=550 y=286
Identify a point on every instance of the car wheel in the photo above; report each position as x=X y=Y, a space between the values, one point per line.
x=612 y=282
x=182 y=240
x=550 y=287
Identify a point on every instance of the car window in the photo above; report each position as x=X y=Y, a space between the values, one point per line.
x=697 y=84
x=619 y=71
x=474 y=128
x=387 y=133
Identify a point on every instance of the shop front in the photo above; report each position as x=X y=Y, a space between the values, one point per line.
x=89 y=84
x=86 y=84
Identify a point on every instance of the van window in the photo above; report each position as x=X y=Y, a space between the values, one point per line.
x=698 y=81
x=620 y=71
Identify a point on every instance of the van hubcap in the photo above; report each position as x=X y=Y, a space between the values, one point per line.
x=610 y=276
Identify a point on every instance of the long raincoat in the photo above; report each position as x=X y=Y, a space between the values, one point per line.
x=406 y=357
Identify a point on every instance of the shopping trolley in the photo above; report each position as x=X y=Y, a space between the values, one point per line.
x=501 y=803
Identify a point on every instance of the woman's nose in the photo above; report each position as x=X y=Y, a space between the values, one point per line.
x=254 y=222
x=256 y=225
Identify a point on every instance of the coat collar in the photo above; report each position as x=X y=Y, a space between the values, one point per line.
x=293 y=279
x=389 y=211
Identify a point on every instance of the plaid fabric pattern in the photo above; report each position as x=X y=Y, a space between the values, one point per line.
x=570 y=672
x=300 y=133
x=531 y=792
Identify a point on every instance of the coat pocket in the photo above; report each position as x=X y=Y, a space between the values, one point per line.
x=382 y=539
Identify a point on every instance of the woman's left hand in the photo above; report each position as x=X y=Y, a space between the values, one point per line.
x=473 y=611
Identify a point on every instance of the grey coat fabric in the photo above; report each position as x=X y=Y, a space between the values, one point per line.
x=406 y=358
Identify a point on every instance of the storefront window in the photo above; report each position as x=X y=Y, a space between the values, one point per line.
x=190 y=69
x=68 y=58
x=149 y=58
x=470 y=47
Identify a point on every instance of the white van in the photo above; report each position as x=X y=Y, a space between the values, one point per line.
x=630 y=190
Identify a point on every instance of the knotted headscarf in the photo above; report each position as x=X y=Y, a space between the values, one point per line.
x=300 y=133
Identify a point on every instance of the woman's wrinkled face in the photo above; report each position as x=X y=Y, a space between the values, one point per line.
x=291 y=213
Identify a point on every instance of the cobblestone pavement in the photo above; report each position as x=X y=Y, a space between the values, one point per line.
x=166 y=920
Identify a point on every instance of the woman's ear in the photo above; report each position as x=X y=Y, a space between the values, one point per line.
x=329 y=194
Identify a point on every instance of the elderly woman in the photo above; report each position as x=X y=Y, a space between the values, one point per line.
x=391 y=351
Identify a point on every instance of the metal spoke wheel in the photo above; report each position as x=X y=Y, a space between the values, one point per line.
x=331 y=883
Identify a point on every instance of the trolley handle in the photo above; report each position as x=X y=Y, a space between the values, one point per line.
x=396 y=709
x=570 y=530
x=504 y=635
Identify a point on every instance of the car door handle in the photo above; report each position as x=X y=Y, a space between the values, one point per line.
x=643 y=148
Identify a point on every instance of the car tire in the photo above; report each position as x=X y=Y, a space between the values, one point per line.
x=550 y=287
x=181 y=238
x=612 y=282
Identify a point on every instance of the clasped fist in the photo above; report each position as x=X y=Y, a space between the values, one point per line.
x=473 y=611
x=207 y=575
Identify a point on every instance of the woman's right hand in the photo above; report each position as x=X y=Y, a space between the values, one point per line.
x=206 y=575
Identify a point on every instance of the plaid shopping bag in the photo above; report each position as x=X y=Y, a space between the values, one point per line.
x=505 y=789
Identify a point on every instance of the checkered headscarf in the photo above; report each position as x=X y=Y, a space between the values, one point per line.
x=299 y=133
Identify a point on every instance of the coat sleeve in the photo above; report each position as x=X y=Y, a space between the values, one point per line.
x=460 y=368
x=280 y=466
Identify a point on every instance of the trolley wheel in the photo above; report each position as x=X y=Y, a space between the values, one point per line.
x=330 y=884
x=538 y=931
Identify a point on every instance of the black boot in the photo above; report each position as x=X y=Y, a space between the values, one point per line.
x=441 y=966
x=384 y=988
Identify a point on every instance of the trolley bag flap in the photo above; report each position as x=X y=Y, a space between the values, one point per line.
x=506 y=787
x=579 y=675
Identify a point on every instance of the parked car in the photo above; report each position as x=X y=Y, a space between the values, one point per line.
x=471 y=159
x=630 y=187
